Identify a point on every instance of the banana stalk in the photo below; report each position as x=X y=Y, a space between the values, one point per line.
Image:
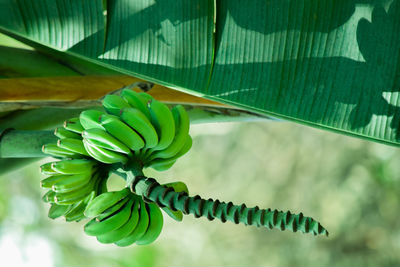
x=24 y=144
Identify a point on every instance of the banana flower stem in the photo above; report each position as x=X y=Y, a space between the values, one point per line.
x=164 y=196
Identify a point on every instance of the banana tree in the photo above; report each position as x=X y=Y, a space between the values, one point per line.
x=327 y=64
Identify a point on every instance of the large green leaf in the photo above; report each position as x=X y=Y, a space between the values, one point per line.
x=331 y=63
x=327 y=63
x=169 y=41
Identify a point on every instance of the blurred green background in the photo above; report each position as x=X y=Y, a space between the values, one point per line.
x=351 y=186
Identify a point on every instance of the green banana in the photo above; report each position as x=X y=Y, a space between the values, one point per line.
x=46 y=169
x=73 y=166
x=101 y=138
x=71 y=183
x=104 y=155
x=140 y=228
x=76 y=213
x=57 y=211
x=139 y=122
x=101 y=185
x=104 y=201
x=182 y=124
x=73 y=145
x=137 y=101
x=122 y=132
x=112 y=209
x=49 y=197
x=89 y=119
x=113 y=104
x=124 y=230
x=55 y=151
x=61 y=133
x=162 y=164
x=51 y=180
x=73 y=125
x=162 y=119
x=155 y=225
x=96 y=227
x=145 y=97
x=75 y=196
x=178 y=187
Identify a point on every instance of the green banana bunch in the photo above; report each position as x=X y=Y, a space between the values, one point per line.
x=76 y=179
x=136 y=131
x=123 y=218
x=134 y=127
x=72 y=184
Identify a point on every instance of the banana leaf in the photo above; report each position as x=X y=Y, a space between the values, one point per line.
x=332 y=64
